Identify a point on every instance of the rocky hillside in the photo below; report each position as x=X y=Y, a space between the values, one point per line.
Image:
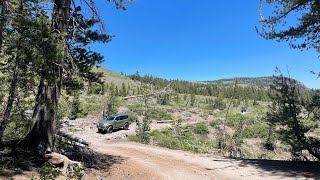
x=260 y=82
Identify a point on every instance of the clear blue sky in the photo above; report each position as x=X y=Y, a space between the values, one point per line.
x=197 y=40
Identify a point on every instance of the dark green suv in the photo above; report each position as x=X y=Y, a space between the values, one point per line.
x=112 y=122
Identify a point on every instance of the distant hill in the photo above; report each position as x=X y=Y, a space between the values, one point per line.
x=260 y=82
x=116 y=78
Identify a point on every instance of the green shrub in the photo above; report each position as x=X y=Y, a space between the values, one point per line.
x=219 y=104
x=159 y=114
x=215 y=123
x=201 y=128
x=197 y=146
x=309 y=124
x=235 y=118
x=236 y=102
x=142 y=131
x=133 y=116
x=48 y=172
x=155 y=133
x=137 y=108
x=257 y=130
x=133 y=138
x=90 y=107
x=182 y=139
x=75 y=172
x=168 y=141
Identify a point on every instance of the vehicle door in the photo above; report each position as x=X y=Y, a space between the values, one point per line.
x=126 y=119
x=117 y=122
x=122 y=120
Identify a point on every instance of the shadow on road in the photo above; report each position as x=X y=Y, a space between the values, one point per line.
x=94 y=160
x=115 y=130
x=22 y=161
x=288 y=168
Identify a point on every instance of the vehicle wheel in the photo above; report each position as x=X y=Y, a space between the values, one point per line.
x=109 y=129
x=126 y=126
x=100 y=131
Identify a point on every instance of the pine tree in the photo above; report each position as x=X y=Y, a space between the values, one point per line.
x=75 y=106
x=192 y=99
x=110 y=106
x=286 y=116
x=124 y=92
x=301 y=35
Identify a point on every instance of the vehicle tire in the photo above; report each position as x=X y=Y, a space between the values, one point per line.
x=126 y=126
x=100 y=131
x=109 y=129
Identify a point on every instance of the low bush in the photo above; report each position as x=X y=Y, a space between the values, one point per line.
x=257 y=130
x=47 y=172
x=133 y=138
x=219 y=104
x=197 y=146
x=168 y=141
x=137 y=108
x=155 y=133
x=182 y=139
x=160 y=114
x=215 y=123
x=235 y=118
x=133 y=116
x=201 y=128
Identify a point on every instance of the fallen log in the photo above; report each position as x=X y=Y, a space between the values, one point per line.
x=59 y=160
x=167 y=121
x=73 y=138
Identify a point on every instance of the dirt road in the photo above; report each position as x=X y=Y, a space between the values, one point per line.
x=149 y=162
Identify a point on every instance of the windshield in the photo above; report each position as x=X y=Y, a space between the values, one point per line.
x=110 y=118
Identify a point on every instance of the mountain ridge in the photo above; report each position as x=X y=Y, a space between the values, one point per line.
x=262 y=82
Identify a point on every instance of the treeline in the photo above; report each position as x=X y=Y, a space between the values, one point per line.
x=186 y=87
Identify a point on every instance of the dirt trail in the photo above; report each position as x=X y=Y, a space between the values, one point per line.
x=150 y=162
x=137 y=161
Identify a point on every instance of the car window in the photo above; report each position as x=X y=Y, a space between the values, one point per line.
x=123 y=117
x=109 y=118
x=117 y=118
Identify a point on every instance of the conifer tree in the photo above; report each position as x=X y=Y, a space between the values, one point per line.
x=287 y=116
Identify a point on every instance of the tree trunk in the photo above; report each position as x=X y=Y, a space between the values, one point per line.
x=13 y=86
x=2 y=20
x=14 y=82
x=44 y=119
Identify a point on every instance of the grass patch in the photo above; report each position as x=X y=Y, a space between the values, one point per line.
x=182 y=139
x=133 y=138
